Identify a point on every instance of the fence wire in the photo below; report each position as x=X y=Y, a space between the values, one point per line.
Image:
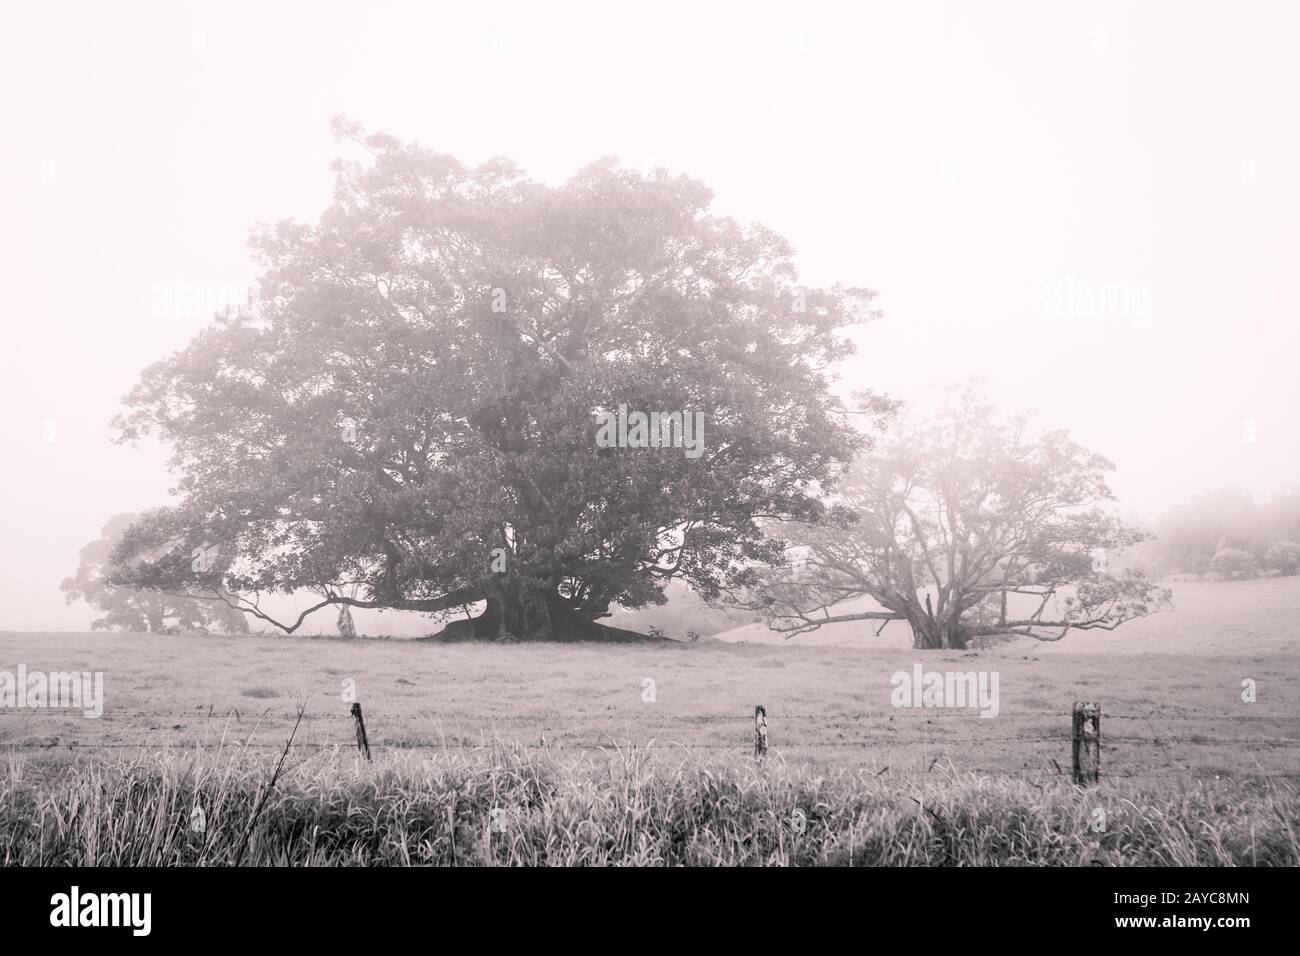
x=386 y=731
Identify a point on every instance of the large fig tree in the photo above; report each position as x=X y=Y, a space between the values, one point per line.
x=408 y=419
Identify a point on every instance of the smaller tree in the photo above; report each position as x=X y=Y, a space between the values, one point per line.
x=1283 y=557
x=951 y=516
x=1233 y=564
x=130 y=609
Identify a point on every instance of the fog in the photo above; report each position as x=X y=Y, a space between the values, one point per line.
x=1092 y=208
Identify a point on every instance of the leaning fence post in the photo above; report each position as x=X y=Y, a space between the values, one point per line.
x=363 y=744
x=1087 y=742
x=760 y=733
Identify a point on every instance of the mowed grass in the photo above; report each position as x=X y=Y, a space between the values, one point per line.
x=580 y=765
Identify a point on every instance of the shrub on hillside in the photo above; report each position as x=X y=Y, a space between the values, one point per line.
x=1227 y=519
x=1283 y=557
x=1233 y=564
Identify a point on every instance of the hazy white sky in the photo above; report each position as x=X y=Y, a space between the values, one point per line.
x=1093 y=206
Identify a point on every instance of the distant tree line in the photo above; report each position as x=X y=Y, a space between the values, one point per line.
x=128 y=609
x=1230 y=535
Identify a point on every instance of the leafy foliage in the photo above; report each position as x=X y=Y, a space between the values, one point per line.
x=128 y=609
x=1190 y=534
x=1283 y=557
x=420 y=386
x=954 y=512
x=1233 y=564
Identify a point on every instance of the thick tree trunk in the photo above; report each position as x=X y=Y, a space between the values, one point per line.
x=535 y=616
x=930 y=633
x=931 y=636
x=517 y=614
x=925 y=635
x=509 y=619
x=155 y=615
x=345 y=625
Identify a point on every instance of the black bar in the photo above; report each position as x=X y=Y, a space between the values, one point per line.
x=316 y=905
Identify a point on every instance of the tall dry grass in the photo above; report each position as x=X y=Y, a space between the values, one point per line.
x=634 y=806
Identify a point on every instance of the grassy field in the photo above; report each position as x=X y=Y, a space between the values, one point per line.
x=581 y=765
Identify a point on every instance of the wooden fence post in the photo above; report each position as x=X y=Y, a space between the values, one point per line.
x=363 y=744
x=760 y=733
x=1087 y=742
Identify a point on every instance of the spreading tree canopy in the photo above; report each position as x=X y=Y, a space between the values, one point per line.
x=408 y=418
x=957 y=512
